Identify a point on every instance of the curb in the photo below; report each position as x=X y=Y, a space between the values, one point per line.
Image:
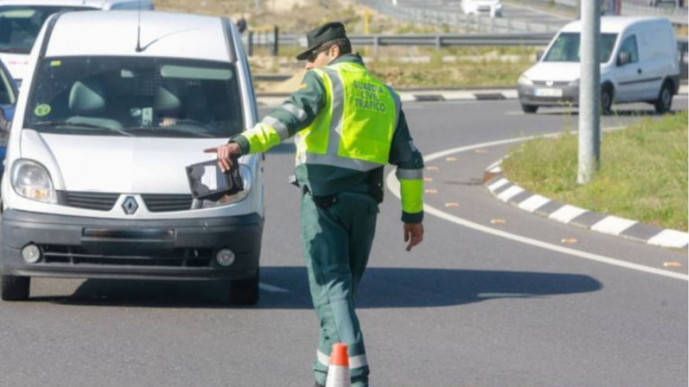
x=422 y=96
x=513 y=194
x=434 y=95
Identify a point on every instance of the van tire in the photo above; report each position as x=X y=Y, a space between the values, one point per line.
x=15 y=288
x=606 y=95
x=529 y=108
x=664 y=102
x=244 y=291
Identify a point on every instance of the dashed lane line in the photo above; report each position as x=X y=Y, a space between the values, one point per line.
x=393 y=185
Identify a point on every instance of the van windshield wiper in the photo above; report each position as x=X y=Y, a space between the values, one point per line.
x=180 y=126
x=54 y=124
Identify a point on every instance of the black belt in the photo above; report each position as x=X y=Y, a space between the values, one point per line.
x=322 y=201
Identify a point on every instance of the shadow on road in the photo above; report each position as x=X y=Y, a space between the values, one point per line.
x=287 y=288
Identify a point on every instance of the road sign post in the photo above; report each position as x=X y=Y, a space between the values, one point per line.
x=589 y=92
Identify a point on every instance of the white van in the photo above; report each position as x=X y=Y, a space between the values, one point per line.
x=20 y=21
x=95 y=184
x=639 y=62
x=492 y=8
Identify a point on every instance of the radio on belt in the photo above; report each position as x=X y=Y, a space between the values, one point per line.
x=208 y=182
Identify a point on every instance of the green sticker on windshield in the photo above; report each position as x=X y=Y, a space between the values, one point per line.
x=42 y=110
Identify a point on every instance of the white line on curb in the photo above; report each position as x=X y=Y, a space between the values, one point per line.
x=533 y=202
x=670 y=238
x=566 y=213
x=393 y=185
x=510 y=193
x=613 y=225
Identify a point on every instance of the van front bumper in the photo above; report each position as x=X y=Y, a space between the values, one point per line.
x=152 y=249
x=534 y=95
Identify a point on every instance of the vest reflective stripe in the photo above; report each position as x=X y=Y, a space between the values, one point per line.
x=263 y=136
x=279 y=127
x=369 y=108
x=297 y=111
x=412 y=196
x=409 y=174
x=354 y=361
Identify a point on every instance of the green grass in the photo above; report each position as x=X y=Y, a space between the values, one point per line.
x=643 y=173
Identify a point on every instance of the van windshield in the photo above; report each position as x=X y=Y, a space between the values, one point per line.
x=135 y=96
x=20 y=24
x=566 y=48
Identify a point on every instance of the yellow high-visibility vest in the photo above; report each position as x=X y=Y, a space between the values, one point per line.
x=354 y=130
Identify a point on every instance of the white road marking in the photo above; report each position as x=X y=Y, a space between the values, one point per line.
x=613 y=225
x=393 y=185
x=497 y=184
x=271 y=288
x=510 y=193
x=672 y=238
x=566 y=213
x=533 y=202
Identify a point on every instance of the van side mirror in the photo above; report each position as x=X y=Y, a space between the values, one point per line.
x=623 y=58
x=539 y=55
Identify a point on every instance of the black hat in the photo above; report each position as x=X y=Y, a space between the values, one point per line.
x=325 y=33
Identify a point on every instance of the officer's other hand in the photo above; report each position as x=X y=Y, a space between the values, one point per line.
x=225 y=154
x=413 y=233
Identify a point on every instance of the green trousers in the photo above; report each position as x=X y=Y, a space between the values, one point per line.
x=337 y=241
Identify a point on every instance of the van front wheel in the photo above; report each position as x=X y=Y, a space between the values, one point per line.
x=529 y=108
x=15 y=288
x=664 y=102
x=606 y=100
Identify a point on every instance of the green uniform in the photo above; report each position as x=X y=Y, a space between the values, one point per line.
x=348 y=125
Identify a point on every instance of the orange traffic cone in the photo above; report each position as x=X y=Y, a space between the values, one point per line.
x=338 y=371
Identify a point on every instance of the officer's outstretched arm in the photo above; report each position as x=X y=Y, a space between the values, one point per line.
x=409 y=162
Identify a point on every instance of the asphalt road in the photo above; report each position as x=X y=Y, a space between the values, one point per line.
x=466 y=308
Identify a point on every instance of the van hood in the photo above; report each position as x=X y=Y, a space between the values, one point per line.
x=116 y=164
x=17 y=64
x=554 y=71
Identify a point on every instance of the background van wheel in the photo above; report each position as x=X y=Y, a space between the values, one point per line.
x=664 y=102
x=529 y=108
x=244 y=291
x=15 y=288
x=606 y=100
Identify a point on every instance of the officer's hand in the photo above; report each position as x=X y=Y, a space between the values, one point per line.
x=413 y=233
x=225 y=154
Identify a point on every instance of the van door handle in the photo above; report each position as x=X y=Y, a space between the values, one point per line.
x=638 y=71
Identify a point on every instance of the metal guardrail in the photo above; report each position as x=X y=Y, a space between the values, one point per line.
x=675 y=10
x=437 y=40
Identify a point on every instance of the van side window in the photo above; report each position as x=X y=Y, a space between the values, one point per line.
x=629 y=46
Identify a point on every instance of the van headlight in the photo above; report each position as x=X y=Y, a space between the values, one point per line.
x=247 y=181
x=32 y=181
x=574 y=83
x=524 y=80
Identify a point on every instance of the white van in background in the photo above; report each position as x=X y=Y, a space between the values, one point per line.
x=492 y=8
x=639 y=62
x=20 y=21
x=96 y=183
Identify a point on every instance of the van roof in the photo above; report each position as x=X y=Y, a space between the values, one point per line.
x=96 y=4
x=163 y=34
x=613 y=24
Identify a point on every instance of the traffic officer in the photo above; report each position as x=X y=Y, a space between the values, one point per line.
x=348 y=126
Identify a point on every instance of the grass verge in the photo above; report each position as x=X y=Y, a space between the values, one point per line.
x=643 y=173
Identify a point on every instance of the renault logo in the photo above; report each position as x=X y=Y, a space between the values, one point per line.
x=549 y=83
x=130 y=205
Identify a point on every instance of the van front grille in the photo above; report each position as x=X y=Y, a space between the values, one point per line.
x=76 y=255
x=99 y=201
x=167 y=202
